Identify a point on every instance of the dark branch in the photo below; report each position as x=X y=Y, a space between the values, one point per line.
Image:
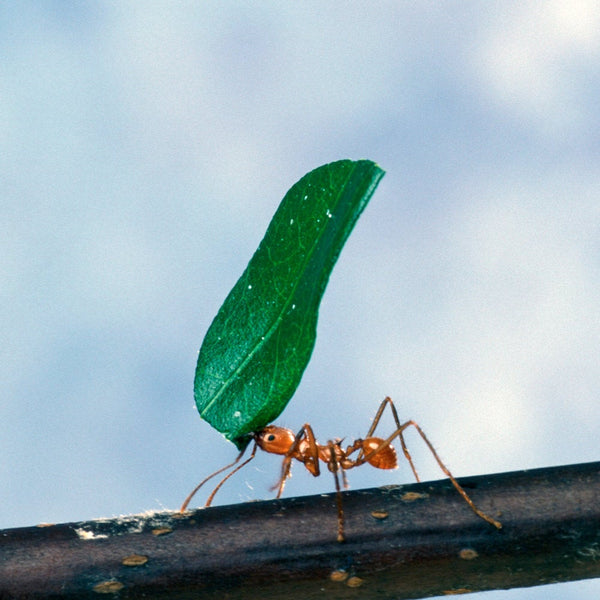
x=408 y=541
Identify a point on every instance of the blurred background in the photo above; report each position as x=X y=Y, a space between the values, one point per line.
x=144 y=149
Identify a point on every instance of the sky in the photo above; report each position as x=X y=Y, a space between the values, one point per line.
x=144 y=147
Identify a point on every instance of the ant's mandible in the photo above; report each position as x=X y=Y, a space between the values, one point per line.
x=303 y=447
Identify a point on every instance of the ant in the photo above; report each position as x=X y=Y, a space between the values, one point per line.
x=303 y=447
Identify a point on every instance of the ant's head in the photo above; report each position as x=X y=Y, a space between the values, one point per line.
x=273 y=439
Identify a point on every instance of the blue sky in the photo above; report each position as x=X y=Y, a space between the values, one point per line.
x=145 y=147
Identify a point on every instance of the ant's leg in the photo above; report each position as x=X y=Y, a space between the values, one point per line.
x=377 y=416
x=334 y=467
x=310 y=459
x=193 y=493
x=408 y=457
x=361 y=452
x=213 y=493
x=286 y=467
x=455 y=483
x=344 y=478
x=398 y=433
x=401 y=428
x=361 y=458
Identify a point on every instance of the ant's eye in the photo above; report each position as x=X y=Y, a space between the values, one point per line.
x=270 y=437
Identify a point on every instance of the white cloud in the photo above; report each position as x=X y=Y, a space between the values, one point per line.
x=530 y=64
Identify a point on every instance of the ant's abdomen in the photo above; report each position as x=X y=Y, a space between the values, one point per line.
x=385 y=458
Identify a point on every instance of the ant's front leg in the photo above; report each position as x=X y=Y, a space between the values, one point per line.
x=308 y=452
x=213 y=493
x=305 y=449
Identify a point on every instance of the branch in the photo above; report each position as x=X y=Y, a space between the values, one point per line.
x=408 y=541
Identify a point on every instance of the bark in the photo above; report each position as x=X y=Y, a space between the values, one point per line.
x=409 y=541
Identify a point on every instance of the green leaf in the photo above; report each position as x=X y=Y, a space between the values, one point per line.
x=257 y=347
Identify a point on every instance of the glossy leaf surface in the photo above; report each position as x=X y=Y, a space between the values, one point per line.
x=257 y=347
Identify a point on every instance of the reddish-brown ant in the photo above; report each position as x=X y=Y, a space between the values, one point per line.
x=304 y=448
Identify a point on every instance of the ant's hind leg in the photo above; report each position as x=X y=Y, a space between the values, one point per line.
x=400 y=429
x=360 y=458
x=398 y=433
x=378 y=414
x=455 y=483
x=408 y=456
